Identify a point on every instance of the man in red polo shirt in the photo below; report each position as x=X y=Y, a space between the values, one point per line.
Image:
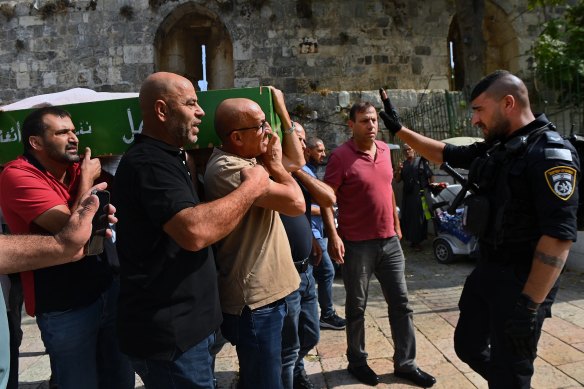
x=74 y=303
x=367 y=241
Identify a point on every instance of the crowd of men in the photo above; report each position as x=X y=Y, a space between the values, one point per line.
x=242 y=264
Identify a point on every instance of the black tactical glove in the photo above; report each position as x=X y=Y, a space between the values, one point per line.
x=389 y=116
x=521 y=327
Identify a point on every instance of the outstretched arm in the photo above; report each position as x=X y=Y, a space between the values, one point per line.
x=322 y=194
x=28 y=252
x=429 y=148
x=197 y=227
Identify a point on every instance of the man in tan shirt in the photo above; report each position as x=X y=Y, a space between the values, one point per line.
x=256 y=271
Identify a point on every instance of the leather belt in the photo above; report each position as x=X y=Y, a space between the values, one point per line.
x=267 y=306
x=301 y=266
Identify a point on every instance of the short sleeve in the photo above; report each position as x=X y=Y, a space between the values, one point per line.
x=162 y=189
x=334 y=172
x=554 y=185
x=27 y=193
x=223 y=174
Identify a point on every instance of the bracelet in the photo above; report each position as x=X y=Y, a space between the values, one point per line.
x=291 y=129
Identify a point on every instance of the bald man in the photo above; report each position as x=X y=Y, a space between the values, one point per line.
x=169 y=304
x=256 y=270
x=526 y=176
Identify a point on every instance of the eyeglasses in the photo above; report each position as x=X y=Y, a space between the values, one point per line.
x=261 y=127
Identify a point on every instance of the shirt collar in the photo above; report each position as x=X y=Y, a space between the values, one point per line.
x=381 y=146
x=177 y=151
x=540 y=121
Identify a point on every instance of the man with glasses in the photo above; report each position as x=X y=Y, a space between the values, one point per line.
x=169 y=304
x=256 y=270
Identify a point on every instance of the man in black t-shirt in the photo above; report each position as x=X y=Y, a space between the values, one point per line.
x=169 y=304
x=524 y=177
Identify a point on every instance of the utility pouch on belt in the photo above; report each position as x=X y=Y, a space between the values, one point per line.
x=476 y=214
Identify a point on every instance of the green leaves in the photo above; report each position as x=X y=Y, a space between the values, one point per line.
x=559 y=51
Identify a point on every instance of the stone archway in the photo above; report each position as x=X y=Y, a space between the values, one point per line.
x=179 y=40
x=498 y=48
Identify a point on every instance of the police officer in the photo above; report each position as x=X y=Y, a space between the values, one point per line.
x=525 y=177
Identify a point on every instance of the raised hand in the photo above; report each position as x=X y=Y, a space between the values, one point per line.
x=389 y=116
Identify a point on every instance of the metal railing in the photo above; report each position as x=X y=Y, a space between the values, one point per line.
x=441 y=115
x=560 y=95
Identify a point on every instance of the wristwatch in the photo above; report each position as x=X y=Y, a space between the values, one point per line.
x=291 y=129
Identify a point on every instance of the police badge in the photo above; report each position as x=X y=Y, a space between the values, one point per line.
x=562 y=181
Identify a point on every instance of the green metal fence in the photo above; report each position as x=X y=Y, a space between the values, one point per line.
x=560 y=95
x=441 y=115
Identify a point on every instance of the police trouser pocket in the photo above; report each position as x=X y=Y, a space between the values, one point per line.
x=476 y=214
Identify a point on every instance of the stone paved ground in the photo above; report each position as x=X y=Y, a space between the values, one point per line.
x=434 y=291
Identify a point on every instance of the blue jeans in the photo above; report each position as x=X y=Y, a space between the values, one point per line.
x=83 y=345
x=324 y=274
x=257 y=336
x=301 y=329
x=191 y=369
x=385 y=259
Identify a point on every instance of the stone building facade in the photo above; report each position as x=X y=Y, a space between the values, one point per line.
x=319 y=52
x=301 y=46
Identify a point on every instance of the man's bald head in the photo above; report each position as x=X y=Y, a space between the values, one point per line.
x=235 y=113
x=161 y=86
x=170 y=109
x=501 y=83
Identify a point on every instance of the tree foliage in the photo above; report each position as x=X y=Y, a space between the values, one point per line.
x=559 y=50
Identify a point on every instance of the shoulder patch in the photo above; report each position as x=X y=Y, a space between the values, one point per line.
x=561 y=154
x=554 y=138
x=562 y=181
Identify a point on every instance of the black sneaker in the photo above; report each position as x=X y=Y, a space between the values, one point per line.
x=333 y=322
x=301 y=381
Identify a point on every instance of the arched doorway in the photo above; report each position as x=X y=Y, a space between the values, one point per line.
x=184 y=35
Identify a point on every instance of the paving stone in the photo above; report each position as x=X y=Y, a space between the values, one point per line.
x=556 y=352
x=563 y=330
x=478 y=381
x=548 y=376
x=574 y=370
x=434 y=292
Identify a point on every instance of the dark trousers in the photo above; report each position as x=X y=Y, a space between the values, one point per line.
x=487 y=300
x=15 y=301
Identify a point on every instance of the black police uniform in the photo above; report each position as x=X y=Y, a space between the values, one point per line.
x=529 y=183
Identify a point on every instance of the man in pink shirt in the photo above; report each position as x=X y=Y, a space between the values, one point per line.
x=367 y=240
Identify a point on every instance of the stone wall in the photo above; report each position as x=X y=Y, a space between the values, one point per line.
x=301 y=46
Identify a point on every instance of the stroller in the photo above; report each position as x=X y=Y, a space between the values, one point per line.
x=452 y=241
